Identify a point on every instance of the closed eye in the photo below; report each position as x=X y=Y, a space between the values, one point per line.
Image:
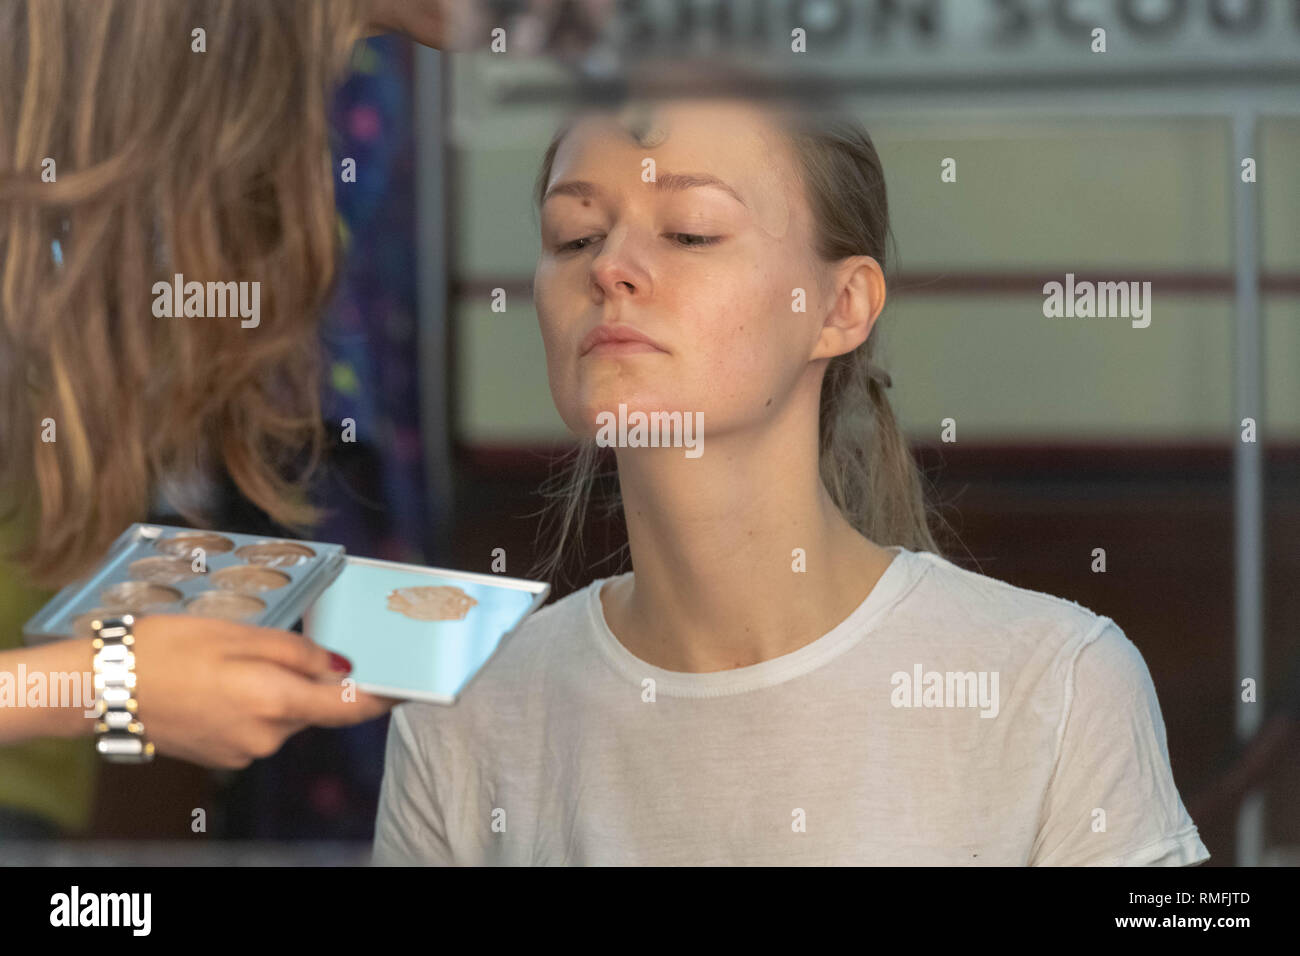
x=697 y=240
x=685 y=239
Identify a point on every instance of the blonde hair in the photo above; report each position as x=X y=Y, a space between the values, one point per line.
x=168 y=160
x=865 y=462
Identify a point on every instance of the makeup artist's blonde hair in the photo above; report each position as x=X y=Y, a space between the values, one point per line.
x=865 y=460
x=210 y=164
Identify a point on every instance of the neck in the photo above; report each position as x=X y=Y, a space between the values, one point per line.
x=713 y=543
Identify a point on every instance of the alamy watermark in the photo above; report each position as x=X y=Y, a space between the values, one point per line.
x=47 y=689
x=212 y=300
x=946 y=689
x=75 y=908
x=1085 y=299
x=652 y=430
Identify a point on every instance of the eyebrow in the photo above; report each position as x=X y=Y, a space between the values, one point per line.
x=663 y=182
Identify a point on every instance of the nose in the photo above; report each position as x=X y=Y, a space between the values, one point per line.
x=618 y=269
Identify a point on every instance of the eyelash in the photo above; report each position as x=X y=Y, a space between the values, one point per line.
x=706 y=241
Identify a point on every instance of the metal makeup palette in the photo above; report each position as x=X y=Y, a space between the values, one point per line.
x=162 y=569
x=416 y=632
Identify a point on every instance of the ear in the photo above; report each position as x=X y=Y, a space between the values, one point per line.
x=857 y=297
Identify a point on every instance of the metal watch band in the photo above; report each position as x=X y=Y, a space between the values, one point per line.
x=119 y=734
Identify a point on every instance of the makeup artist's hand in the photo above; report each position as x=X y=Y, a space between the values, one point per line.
x=462 y=25
x=222 y=694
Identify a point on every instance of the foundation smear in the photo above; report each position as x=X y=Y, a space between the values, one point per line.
x=226 y=605
x=248 y=578
x=431 y=603
x=275 y=554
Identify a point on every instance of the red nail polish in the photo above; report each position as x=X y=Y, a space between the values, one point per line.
x=340 y=663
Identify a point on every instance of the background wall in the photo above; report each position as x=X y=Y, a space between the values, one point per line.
x=1108 y=199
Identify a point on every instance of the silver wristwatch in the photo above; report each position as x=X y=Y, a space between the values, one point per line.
x=119 y=734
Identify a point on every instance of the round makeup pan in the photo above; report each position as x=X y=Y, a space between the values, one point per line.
x=275 y=554
x=249 y=579
x=161 y=570
x=138 y=595
x=226 y=605
x=183 y=545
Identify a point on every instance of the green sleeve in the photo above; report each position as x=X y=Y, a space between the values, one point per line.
x=53 y=778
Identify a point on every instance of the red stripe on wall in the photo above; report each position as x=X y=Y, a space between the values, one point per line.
x=1016 y=460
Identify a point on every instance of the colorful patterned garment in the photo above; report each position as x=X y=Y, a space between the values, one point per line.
x=324 y=784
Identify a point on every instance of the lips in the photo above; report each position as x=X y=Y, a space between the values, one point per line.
x=607 y=334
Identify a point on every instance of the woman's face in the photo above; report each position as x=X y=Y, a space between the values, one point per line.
x=709 y=276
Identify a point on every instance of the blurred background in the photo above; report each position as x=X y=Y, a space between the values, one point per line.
x=1072 y=433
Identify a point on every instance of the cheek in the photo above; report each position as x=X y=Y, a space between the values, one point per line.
x=576 y=394
x=561 y=367
x=559 y=370
x=746 y=335
x=554 y=317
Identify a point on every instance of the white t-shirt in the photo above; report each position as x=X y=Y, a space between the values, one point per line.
x=568 y=749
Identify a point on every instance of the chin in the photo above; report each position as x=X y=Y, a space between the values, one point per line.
x=582 y=418
x=609 y=401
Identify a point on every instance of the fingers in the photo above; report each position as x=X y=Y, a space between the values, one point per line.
x=309 y=691
x=294 y=651
x=321 y=701
x=321 y=705
x=331 y=704
x=311 y=705
x=286 y=648
x=305 y=689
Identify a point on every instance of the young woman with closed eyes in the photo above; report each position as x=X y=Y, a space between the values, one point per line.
x=744 y=695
